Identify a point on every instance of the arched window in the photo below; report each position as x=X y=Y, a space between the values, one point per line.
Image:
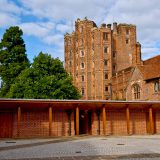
x=136 y=91
x=106 y=76
x=81 y=29
x=82 y=91
x=105 y=49
x=156 y=86
x=82 y=78
x=82 y=65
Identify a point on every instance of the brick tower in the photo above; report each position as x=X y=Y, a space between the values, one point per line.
x=94 y=54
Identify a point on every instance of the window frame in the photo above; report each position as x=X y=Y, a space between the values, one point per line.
x=136 y=91
x=106 y=76
x=82 y=65
x=106 y=62
x=82 y=78
x=82 y=91
x=81 y=29
x=156 y=86
x=114 y=54
x=81 y=51
x=106 y=88
x=127 y=41
x=105 y=49
x=127 y=31
x=105 y=36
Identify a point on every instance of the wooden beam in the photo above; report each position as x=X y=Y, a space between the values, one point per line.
x=77 y=120
x=18 y=121
x=151 y=121
x=128 y=120
x=98 y=117
x=50 y=120
x=69 y=113
x=104 y=120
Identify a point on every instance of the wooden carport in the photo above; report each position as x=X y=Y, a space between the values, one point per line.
x=101 y=108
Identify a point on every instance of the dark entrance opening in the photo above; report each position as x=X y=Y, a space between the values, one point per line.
x=85 y=122
x=6 y=124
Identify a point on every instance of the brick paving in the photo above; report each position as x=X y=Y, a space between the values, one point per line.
x=100 y=148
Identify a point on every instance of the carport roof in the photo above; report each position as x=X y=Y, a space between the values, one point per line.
x=71 y=104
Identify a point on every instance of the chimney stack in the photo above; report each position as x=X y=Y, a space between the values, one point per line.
x=103 y=25
x=109 y=26
x=115 y=27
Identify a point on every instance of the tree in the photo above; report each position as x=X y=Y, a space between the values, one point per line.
x=12 y=57
x=45 y=79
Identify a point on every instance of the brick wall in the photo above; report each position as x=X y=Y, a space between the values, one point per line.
x=138 y=122
x=157 y=121
x=95 y=124
x=36 y=124
x=14 y=132
x=116 y=123
x=60 y=125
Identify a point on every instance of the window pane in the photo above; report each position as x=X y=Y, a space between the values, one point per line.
x=106 y=76
x=82 y=91
x=105 y=62
x=105 y=36
x=156 y=86
x=82 y=78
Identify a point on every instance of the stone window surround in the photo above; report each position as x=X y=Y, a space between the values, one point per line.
x=81 y=53
x=106 y=49
x=136 y=91
x=82 y=91
x=82 y=65
x=156 y=86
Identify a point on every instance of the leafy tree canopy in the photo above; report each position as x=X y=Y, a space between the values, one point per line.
x=12 y=57
x=45 y=79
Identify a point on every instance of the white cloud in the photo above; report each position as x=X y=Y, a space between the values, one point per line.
x=34 y=29
x=63 y=28
x=60 y=16
x=9 y=7
x=48 y=25
x=144 y=14
x=150 y=52
x=7 y=19
x=44 y=31
x=56 y=39
x=9 y=13
x=68 y=9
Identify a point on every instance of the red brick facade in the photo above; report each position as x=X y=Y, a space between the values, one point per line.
x=105 y=62
x=143 y=118
x=36 y=124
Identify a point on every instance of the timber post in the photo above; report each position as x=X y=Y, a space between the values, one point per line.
x=50 y=120
x=104 y=119
x=151 y=120
x=77 y=120
x=128 y=119
x=18 y=120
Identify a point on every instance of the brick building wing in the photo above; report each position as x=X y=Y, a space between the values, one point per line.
x=105 y=63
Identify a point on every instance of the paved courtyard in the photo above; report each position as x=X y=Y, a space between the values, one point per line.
x=104 y=148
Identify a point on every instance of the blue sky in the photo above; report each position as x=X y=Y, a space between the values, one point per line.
x=44 y=22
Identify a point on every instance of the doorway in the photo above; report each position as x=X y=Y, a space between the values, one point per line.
x=6 y=124
x=85 y=122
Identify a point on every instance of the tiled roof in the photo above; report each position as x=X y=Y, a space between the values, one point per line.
x=151 y=68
